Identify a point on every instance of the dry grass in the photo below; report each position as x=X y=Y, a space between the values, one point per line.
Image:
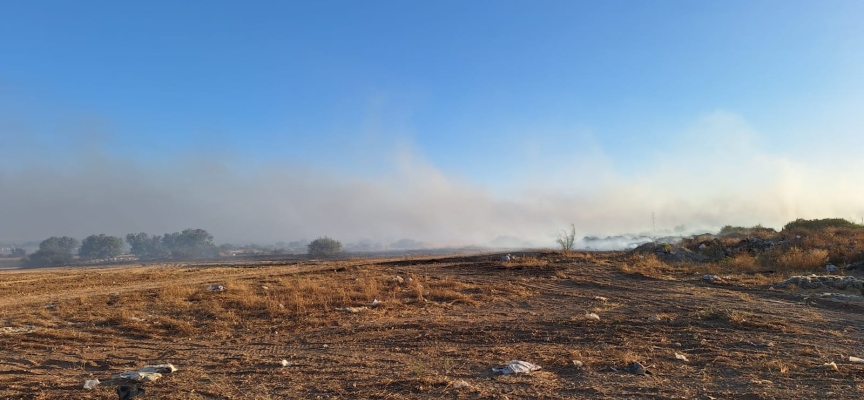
x=440 y=321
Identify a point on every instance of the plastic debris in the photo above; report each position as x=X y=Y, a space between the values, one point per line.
x=681 y=357
x=461 y=384
x=505 y=258
x=352 y=310
x=856 y=359
x=592 y=316
x=600 y=298
x=286 y=363
x=516 y=367
x=831 y=268
x=216 y=288
x=91 y=383
x=159 y=368
x=713 y=279
x=375 y=303
x=578 y=364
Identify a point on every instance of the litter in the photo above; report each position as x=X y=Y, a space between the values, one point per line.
x=516 y=367
x=592 y=316
x=578 y=364
x=681 y=357
x=286 y=363
x=352 y=310
x=856 y=359
x=91 y=383
x=375 y=303
x=216 y=288
x=160 y=368
x=147 y=373
x=601 y=298
x=505 y=258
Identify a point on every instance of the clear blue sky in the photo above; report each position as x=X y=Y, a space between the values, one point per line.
x=483 y=90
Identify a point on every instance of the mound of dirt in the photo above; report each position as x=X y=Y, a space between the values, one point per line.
x=670 y=253
x=823 y=282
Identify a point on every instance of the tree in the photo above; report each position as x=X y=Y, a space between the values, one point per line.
x=191 y=243
x=324 y=247
x=567 y=240
x=101 y=247
x=18 y=252
x=63 y=244
x=145 y=246
x=53 y=251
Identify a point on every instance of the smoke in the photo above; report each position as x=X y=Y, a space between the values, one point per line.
x=717 y=172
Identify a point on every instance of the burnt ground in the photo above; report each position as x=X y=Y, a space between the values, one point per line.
x=442 y=320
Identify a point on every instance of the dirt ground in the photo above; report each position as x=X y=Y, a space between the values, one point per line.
x=441 y=325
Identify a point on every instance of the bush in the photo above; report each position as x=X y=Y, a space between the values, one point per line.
x=47 y=258
x=819 y=224
x=324 y=247
x=567 y=240
x=729 y=229
x=18 y=252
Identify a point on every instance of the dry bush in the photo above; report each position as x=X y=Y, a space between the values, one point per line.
x=646 y=265
x=797 y=259
x=743 y=262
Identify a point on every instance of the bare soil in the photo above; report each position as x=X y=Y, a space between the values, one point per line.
x=441 y=321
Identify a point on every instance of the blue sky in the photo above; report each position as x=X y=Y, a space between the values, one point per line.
x=493 y=95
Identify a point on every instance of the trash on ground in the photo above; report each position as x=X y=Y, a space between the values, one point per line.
x=505 y=258
x=147 y=373
x=286 y=363
x=17 y=329
x=216 y=288
x=578 y=364
x=516 y=367
x=375 y=303
x=592 y=316
x=91 y=383
x=352 y=310
x=856 y=359
x=601 y=298
x=681 y=357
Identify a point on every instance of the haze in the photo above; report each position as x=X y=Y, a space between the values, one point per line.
x=450 y=123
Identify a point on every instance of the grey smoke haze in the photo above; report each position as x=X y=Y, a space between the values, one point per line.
x=701 y=181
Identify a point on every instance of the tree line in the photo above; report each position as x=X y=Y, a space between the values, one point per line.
x=56 y=251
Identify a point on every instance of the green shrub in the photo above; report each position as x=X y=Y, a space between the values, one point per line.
x=324 y=247
x=819 y=224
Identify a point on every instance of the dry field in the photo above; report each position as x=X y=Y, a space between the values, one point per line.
x=440 y=321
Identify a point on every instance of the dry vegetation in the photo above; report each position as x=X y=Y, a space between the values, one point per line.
x=440 y=321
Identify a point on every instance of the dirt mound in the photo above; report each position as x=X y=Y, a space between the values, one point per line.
x=670 y=253
x=823 y=282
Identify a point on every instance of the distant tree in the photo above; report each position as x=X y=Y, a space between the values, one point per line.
x=324 y=247
x=53 y=251
x=63 y=244
x=100 y=247
x=18 y=252
x=191 y=243
x=145 y=246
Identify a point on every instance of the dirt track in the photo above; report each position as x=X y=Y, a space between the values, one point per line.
x=741 y=342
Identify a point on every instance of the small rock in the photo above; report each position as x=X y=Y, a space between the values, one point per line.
x=681 y=357
x=636 y=368
x=461 y=384
x=375 y=303
x=592 y=316
x=831 y=268
x=654 y=318
x=601 y=298
x=832 y=366
x=578 y=364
